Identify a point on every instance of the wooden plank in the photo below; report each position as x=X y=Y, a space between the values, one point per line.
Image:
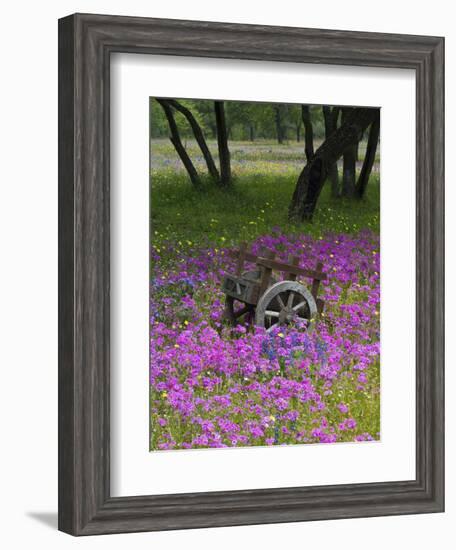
x=316 y=282
x=248 y=256
x=280 y=266
x=266 y=273
x=241 y=259
x=294 y=260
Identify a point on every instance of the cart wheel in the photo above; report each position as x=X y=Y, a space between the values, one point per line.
x=283 y=303
x=239 y=312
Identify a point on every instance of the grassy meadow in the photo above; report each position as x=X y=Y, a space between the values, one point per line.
x=265 y=179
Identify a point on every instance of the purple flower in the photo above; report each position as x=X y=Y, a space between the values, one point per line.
x=214 y=386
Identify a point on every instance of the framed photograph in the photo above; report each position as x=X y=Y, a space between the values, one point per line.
x=251 y=274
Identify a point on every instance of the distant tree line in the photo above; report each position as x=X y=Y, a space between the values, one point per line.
x=339 y=130
x=245 y=121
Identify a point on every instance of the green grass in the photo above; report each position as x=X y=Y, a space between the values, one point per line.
x=253 y=206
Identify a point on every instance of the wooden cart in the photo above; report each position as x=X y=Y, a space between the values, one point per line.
x=256 y=296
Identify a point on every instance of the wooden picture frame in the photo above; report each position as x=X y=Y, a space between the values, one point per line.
x=85 y=45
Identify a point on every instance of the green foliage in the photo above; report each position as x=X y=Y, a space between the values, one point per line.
x=157 y=120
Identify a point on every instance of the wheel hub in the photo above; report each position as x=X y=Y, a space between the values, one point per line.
x=286 y=315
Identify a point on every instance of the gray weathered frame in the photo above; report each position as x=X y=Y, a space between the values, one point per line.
x=85 y=45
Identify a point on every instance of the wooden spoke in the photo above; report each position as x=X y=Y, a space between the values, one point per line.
x=280 y=301
x=290 y=299
x=270 y=313
x=297 y=307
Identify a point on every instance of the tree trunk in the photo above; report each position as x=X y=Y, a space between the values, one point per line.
x=252 y=132
x=177 y=142
x=222 y=141
x=369 y=159
x=349 y=171
x=349 y=163
x=335 y=117
x=199 y=136
x=330 y=117
x=278 y=123
x=314 y=174
x=308 y=132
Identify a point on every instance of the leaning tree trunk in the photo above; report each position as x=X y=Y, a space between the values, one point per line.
x=314 y=174
x=177 y=142
x=222 y=140
x=369 y=159
x=330 y=117
x=349 y=163
x=199 y=137
x=308 y=132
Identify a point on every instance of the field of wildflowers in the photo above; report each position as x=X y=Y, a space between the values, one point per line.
x=213 y=385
